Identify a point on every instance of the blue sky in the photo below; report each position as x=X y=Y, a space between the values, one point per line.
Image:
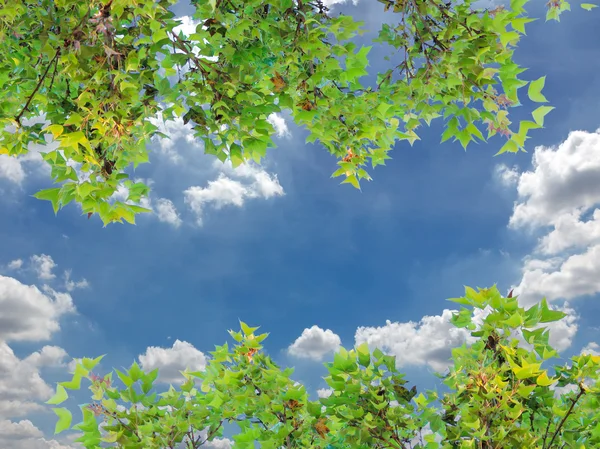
x=314 y=263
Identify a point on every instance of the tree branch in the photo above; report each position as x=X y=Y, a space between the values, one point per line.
x=37 y=87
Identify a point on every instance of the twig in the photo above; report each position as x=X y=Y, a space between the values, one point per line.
x=37 y=87
x=573 y=402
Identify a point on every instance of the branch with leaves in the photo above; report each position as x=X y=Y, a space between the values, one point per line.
x=124 y=64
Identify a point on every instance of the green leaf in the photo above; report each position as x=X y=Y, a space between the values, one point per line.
x=509 y=37
x=74 y=383
x=60 y=396
x=51 y=195
x=364 y=356
x=352 y=179
x=247 y=330
x=64 y=419
x=535 y=90
x=539 y=114
x=588 y=6
x=543 y=380
x=510 y=146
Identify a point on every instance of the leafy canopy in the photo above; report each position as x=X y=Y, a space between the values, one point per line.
x=499 y=395
x=101 y=72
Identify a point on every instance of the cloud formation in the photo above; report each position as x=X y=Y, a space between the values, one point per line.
x=315 y=343
x=428 y=342
x=171 y=361
x=43 y=266
x=27 y=314
x=557 y=196
x=167 y=213
x=251 y=182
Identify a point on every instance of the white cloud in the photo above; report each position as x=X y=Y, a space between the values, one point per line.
x=166 y=212
x=252 y=182
x=428 y=342
x=15 y=264
x=188 y=25
x=71 y=285
x=27 y=313
x=172 y=360
x=592 y=348
x=48 y=356
x=11 y=169
x=279 y=124
x=330 y=3
x=43 y=265
x=562 y=187
x=571 y=233
x=19 y=430
x=564 y=179
x=314 y=343
x=562 y=332
x=15 y=169
x=175 y=130
x=25 y=435
x=506 y=176
x=324 y=392
x=21 y=385
x=576 y=276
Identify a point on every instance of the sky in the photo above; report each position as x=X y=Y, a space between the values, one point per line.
x=314 y=263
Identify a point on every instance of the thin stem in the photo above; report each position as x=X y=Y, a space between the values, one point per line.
x=37 y=87
x=573 y=402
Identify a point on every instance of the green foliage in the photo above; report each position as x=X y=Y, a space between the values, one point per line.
x=99 y=71
x=499 y=395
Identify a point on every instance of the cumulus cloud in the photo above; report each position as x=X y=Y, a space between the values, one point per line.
x=331 y=3
x=43 y=266
x=564 y=179
x=167 y=212
x=324 y=392
x=176 y=131
x=15 y=169
x=592 y=348
x=561 y=189
x=427 y=342
x=163 y=209
x=280 y=125
x=18 y=430
x=71 y=285
x=505 y=175
x=25 y=435
x=252 y=182
x=15 y=264
x=571 y=233
x=11 y=169
x=430 y=341
x=27 y=313
x=187 y=25
x=171 y=361
x=48 y=356
x=21 y=385
x=576 y=276
x=314 y=343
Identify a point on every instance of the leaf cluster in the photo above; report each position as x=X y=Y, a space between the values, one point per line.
x=101 y=72
x=499 y=395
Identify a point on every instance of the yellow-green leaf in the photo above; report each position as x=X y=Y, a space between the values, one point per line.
x=543 y=380
x=539 y=114
x=60 y=396
x=534 y=91
x=64 y=419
